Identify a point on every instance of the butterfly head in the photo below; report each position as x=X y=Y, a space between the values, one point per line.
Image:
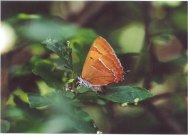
x=95 y=88
x=82 y=82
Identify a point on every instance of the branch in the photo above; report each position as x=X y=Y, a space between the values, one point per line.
x=91 y=11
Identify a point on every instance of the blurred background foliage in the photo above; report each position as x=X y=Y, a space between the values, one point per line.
x=43 y=48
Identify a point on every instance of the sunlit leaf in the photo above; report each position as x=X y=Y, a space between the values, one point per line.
x=10 y=100
x=180 y=20
x=21 y=94
x=44 y=88
x=37 y=49
x=166 y=3
x=70 y=81
x=24 y=16
x=162 y=38
x=131 y=38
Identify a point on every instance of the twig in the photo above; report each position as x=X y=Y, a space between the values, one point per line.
x=164 y=96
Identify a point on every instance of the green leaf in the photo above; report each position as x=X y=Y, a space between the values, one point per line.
x=83 y=89
x=127 y=39
x=126 y=94
x=13 y=113
x=55 y=34
x=24 y=16
x=20 y=70
x=5 y=126
x=41 y=28
x=46 y=70
x=36 y=100
x=88 y=97
x=84 y=37
x=85 y=124
x=62 y=49
x=44 y=88
x=162 y=38
x=68 y=94
x=180 y=20
x=65 y=114
x=166 y=3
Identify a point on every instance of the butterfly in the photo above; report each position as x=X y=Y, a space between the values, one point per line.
x=101 y=66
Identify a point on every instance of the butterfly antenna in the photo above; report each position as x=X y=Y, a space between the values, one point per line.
x=126 y=71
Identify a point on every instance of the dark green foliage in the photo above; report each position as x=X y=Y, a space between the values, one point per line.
x=39 y=74
x=38 y=101
x=5 y=126
x=126 y=94
x=46 y=28
x=66 y=114
x=46 y=70
x=62 y=49
x=83 y=89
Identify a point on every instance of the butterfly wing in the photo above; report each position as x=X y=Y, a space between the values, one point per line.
x=102 y=66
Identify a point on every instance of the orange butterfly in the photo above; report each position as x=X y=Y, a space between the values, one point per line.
x=101 y=66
